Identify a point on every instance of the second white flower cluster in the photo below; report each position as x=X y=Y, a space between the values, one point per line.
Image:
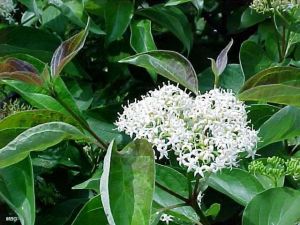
x=206 y=133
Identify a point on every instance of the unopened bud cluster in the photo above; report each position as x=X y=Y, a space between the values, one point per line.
x=265 y=6
x=275 y=167
x=206 y=133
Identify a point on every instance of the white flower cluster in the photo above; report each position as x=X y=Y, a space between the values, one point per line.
x=207 y=133
x=263 y=6
x=166 y=218
x=7 y=8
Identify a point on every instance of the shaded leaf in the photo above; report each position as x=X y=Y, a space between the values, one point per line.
x=173 y=19
x=118 y=14
x=17 y=190
x=169 y=64
x=92 y=213
x=253 y=59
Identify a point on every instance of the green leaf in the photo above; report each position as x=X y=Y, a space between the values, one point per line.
x=64 y=96
x=172 y=19
x=31 y=118
x=280 y=206
x=260 y=113
x=92 y=213
x=213 y=210
x=172 y=179
x=253 y=59
x=178 y=183
x=236 y=184
x=284 y=124
x=169 y=64
x=275 y=75
x=67 y=51
x=141 y=39
x=17 y=69
x=118 y=14
x=130 y=173
x=17 y=190
x=34 y=96
x=250 y=17
x=37 y=138
x=92 y=183
x=273 y=93
x=232 y=78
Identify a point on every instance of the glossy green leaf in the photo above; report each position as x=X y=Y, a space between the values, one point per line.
x=169 y=64
x=37 y=138
x=92 y=213
x=236 y=184
x=118 y=14
x=253 y=59
x=172 y=19
x=67 y=51
x=19 y=70
x=131 y=174
x=17 y=190
x=284 y=124
x=280 y=206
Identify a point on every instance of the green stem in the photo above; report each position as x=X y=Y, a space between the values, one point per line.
x=81 y=121
x=172 y=192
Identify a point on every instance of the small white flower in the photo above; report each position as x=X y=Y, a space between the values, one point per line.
x=199 y=198
x=166 y=218
x=7 y=9
x=207 y=133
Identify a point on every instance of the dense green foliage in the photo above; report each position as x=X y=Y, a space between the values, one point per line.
x=66 y=69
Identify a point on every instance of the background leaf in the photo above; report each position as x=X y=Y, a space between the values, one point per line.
x=92 y=213
x=118 y=14
x=17 y=190
x=173 y=19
